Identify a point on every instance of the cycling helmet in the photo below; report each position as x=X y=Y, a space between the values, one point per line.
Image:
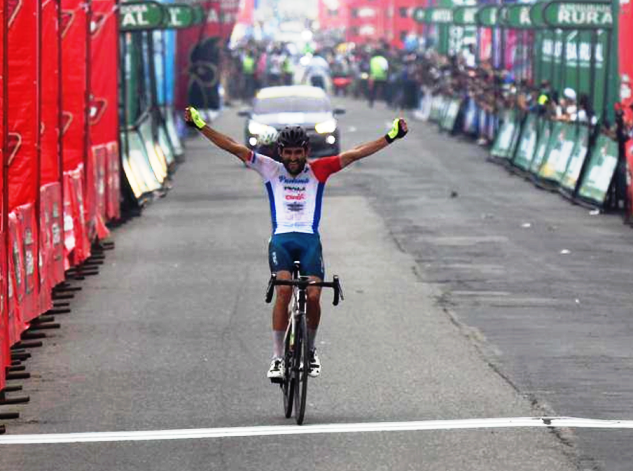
x=292 y=136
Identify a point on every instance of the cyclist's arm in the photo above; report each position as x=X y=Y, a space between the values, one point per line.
x=221 y=140
x=398 y=131
x=364 y=150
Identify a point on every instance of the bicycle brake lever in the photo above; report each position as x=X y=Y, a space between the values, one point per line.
x=338 y=293
x=271 y=288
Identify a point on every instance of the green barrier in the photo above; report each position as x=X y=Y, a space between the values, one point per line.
x=450 y=114
x=170 y=123
x=542 y=146
x=136 y=165
x=437 y=108
x=507 y=137
x=600 y=169
x=154 y=152
x=574 y=166
x=527 y=143
x=555 y=165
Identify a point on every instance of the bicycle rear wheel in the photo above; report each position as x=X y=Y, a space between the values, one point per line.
x=288 y=384
x=301 y=368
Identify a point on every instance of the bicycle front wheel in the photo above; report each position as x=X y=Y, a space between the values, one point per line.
x=301 y=368
x=288 y=385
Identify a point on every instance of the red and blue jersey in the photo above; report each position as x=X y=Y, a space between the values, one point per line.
x=295 y=201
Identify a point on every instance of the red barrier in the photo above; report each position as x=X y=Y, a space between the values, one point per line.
x=4 y=330
x=97 y=181
x=29 y=309
x=76 y=241
x=52 y=200
x=16 y=280
x=104 y=117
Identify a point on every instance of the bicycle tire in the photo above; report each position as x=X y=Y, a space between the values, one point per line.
x=287 y=387
x=301 y=377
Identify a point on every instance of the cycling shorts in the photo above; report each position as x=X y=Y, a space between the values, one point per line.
x=285 y=248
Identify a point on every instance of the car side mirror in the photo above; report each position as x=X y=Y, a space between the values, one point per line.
x=244 y=113
x=339 y=110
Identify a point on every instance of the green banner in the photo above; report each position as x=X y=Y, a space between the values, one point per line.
x=465 y=16
x=527 y=144
x=536 y=15
x=542 y=146
x=555 y=165
x=179 y=15
x=438 y=16
x=600 y=170
x=488 y=16
x=507 y=137
x=578 y=155
x=518 y=17
x=437 y=108
x=419 y=14
x=578 y=15
x=141 y=16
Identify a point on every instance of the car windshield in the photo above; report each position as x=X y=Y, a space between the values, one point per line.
x=291 y=104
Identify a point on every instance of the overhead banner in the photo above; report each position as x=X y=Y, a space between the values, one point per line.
x=74 y=66
x=22 y=103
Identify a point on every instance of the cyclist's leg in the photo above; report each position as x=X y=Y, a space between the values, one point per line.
x=312 y=265
x=280 y=263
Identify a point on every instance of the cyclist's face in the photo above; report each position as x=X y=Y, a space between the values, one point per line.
x=294 y=159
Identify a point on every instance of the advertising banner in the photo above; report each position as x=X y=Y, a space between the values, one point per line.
x=600 y=169
x=564 y=140
x=16 y=280
x=542 y=146
x=527 y=143
x=52 y=200
x=625 y=63
x=50 y=97
x=576 y=161
x=22 y=102
x=30 y=239
x=113 y=207
x=74 y=66
x=507 y=137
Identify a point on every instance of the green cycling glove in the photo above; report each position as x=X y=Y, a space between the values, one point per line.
x=196 y=119
x=397 y=131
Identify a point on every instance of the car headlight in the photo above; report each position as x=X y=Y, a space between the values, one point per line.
x=258 y=128
x=326 y=126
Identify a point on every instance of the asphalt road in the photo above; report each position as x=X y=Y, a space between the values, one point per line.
x=459 y=305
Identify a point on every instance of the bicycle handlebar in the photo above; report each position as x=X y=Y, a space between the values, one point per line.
x=304 y=284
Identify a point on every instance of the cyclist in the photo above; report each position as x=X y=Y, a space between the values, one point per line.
x=295 y=191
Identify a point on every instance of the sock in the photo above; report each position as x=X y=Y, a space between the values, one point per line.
x=278 y=343
x=311 y=338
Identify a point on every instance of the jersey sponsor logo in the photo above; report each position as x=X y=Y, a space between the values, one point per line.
x=296 y=181
x=295 y=188
x=295 y=207
x=299 y=197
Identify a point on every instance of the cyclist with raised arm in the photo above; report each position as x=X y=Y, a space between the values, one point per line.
x=295 y=192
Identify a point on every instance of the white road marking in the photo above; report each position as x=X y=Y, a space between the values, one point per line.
x=260 y=431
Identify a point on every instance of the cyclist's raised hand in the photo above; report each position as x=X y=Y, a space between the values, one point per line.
x=398 y=130
x=193 y=118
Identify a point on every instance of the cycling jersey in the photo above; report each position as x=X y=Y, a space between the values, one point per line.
x=295 y=201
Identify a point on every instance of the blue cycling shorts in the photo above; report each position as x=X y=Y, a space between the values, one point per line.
x=284 y=249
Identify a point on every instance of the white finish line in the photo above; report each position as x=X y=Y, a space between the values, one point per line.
x=261 y=431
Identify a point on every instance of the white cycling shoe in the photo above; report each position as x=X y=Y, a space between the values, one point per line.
x=315 y=365
x=276 y=370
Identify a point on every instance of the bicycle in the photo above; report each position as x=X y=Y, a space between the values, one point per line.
x=294 y=384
